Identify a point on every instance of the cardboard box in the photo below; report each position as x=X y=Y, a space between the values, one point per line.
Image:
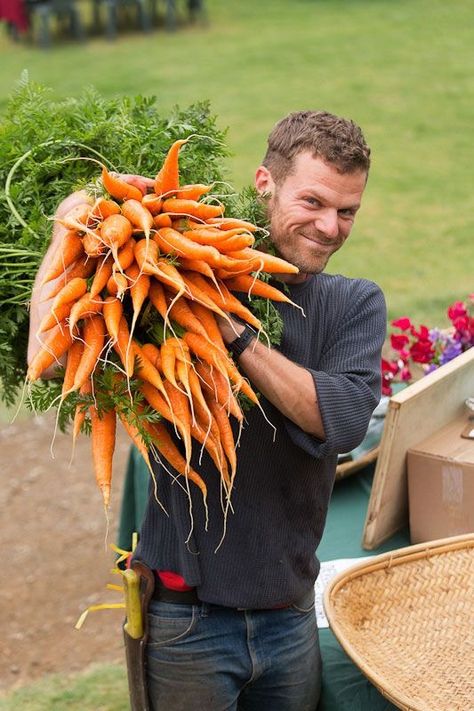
x=441 y=484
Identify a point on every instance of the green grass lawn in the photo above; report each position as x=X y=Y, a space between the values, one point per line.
x=403 y=70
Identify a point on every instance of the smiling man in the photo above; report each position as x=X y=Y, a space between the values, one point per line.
x=232 y=623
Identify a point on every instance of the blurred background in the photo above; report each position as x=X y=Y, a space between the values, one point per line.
x=402 y=69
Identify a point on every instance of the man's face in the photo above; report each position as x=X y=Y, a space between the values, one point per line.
x=312 y=211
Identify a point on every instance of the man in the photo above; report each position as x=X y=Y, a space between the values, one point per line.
x=232 y=623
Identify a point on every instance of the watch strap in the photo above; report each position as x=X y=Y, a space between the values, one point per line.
x=238 y=345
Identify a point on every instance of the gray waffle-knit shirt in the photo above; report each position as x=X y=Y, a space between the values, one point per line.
x=283 y=485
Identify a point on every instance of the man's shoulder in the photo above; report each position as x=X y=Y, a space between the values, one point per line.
x=343 y=284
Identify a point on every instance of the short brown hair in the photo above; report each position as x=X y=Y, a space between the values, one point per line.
x=336 y=140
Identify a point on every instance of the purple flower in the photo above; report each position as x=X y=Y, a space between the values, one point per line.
x=452 y=350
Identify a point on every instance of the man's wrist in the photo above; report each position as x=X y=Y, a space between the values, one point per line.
x=239 y=344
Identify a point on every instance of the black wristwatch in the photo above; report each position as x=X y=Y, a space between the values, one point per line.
x=238 y=345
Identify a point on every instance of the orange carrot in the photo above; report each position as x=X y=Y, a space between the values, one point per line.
x=93 y=333
x=225 y=430
x=117 y=285
x=209 y=323
x=201 y=210
x=57 y=342
x=139 y=288
x=93 y=243
x=217 y=384
x=112 y=311
x=153 y=354
x=74 y=356
x=173 y=456
x=126 y=255
x=115 y=231
x=236 y=242
x=152 y=202
x=182 y=413
x=53 y=318
x=250 y=285
x=224 y=299
x=146 y=370
x=230 y=223
x=85 y=306
x=180 y=311
x=167 y=180
x=76 y=217
x=103 y=445
x=261 y=261
x=157 y=297
x=123 y=349
x=192 y=192
x=102 y=208
x=162 y=220
x=118 y=188
x=83 y=268
x=102 y=276
x=139 y=216
x=72 y=291
x=168 y=360
x=80 y=412
x=68 y=252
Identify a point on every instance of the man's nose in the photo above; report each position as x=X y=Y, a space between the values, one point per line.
x=327 y=222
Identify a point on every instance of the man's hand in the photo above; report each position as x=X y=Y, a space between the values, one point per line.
x=144 y=184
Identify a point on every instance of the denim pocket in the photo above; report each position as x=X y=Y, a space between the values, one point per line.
x=169 y=623
x=305 y=604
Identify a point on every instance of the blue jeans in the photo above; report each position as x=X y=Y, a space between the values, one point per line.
x=213 y=658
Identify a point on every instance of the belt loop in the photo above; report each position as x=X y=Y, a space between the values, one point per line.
x=204 y=609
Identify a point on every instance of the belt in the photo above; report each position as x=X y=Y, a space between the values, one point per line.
x=184 y=597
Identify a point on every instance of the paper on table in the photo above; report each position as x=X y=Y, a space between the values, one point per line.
x=328 y=570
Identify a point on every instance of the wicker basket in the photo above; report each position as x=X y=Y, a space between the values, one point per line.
x=406 y=618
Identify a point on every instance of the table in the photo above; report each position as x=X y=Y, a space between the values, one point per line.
x=344 y=687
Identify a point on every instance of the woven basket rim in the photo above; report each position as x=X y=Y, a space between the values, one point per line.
x=398 y=557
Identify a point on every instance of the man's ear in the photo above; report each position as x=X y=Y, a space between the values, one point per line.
x=264 y=181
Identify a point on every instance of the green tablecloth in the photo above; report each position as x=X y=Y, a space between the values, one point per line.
x=344 y=687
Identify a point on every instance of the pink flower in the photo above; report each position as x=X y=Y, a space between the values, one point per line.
x=405 y=374
x=422 y=351
x=423 y=334
x=403 y=323
x=398 y=341
x=456 y=310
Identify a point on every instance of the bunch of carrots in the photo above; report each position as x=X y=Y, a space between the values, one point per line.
x=175 y=255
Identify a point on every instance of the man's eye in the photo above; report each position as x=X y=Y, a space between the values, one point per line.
x=312 y=201
x=347 y=213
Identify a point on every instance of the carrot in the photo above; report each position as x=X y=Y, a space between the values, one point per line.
x=83 y=268
x=136 y=438
x=224 y=299
x=68 y=252
x=157 y=297
x=123 y=349
x=147 y=256
x=139 y=288
x=173 y=456
x=167 y=180
x=201 y=297
x=93 y=243
x=146 y=370
x=257 y=287
x=76 y=216
x=205 y=350
x=72 y=291
x=93 y=333
x=102 y=208
x=209 y=323
x=57 y=342
x=171 y=241
x=182 y=413
x=117 y=285
x=112 y=310
x=53 y=318
x=210 y=235
x=168 y=361
x=262 y=261
x=85 y=306
x=153 y=354
x=102 y=276
x=231 y=223
x=226 y=434
x=138 y=215
x=119 y=189
x=162 y=220
x=236 y=242
x=126 y=255
x=74 y=356
x=192 y=192
x=216 y=383
x=158 y=403
x=80 y=412
x=196 y=265
x=103 y=445
x=152 y=202
x=180 y=311
x=193 y=208
x=115 y=231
